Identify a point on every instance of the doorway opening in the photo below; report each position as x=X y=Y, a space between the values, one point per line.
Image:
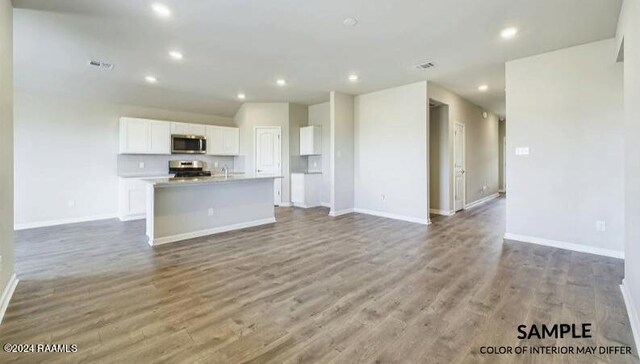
x=439 y=160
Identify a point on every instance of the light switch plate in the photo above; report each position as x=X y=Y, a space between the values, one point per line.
x=141 y=165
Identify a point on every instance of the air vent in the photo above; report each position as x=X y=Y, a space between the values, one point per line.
x=102 y=65
x=426 y=65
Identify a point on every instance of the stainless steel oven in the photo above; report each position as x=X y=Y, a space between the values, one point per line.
x=188 y=144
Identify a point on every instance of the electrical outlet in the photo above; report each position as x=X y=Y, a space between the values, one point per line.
x=215 y=164
x=383 y=197
x=71 y=203
x=522 y=151
x=210 y=212
x=141 y=165
x=601 y=225
x=315 y=164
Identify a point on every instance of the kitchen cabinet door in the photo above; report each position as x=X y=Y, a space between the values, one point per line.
x=133 y=199
x=306 y=189
x=159 y=137
x=134 y=136
x=231 y=141
x=311 y=140
x=180 y=128
x=215 y=140
x=198 y=129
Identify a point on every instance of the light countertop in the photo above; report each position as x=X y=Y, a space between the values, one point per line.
x=171 y=182
x=145 y=175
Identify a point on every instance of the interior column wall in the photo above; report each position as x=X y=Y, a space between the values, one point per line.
x=342 y=153
x=629 y=31
x=6 y=143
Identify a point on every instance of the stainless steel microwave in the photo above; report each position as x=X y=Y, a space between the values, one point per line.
x=188 y=144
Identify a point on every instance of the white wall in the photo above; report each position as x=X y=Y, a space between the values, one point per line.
x=298 y=118
x=567 y=107
x=342 y=152
x=391 y=152
x=6 y=143
x=629 y=30
x=481 y=149
x=439 y=159
x=251 y=115
x=67 y=150
x=320 y=115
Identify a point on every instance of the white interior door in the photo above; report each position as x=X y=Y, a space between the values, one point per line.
x=269 y=157
x=459 y=167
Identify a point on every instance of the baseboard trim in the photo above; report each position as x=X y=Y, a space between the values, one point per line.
x=634 y=317
x=7 y=293
x=565 y=245
x=334 y=213
x=285 y=204
x=481 y=201
x=303 y=206
x=442 y=212
x=325 y=204
x=132 y=217
x=387 y=215
x=502 y=191
x=205 y=232
x=72 y=220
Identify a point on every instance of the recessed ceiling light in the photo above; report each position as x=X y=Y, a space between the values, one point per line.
x=151 y=79
x=509 y=33
x=281 y=82
x=242 y=96
x=176 y=55
x=161 y=10
x=483 y=88
x=353 y=78
x=350 y=22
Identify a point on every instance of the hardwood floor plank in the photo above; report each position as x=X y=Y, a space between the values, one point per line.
x=309 y=288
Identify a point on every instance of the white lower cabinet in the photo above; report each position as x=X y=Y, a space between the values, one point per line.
x=306 y=189
x=132 y=199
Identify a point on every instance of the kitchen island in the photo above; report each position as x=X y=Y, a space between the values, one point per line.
x=186 y=208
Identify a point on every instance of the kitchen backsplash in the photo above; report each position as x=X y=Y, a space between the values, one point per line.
x=129 y=164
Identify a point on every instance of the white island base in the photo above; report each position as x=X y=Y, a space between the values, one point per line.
x=190 y=208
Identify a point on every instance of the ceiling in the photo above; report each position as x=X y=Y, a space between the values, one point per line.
x=233 y=46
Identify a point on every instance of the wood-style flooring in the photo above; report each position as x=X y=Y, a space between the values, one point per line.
x=310 y=288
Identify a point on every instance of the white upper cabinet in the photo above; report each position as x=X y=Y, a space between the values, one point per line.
x=311 y=140
x=188 y=129
x=144 y=136
x=159 y=137
x=231 y=141
x=134 y=135
x=223 y=140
